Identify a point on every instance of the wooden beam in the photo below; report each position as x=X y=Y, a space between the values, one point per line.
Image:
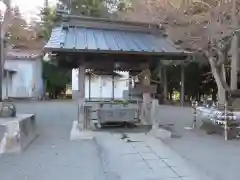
x=155 y=55
x=96 y=61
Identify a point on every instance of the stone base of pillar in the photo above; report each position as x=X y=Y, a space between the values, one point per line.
x=75 y=94
x=80 y=134
x=160 y=133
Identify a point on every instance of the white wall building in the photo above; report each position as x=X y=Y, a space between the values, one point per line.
x=101 y=87
x=23 y=75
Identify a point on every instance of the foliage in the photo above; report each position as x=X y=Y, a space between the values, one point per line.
x=48 y=20
x=173 y=76
x=198 y=80
x=56 y=78
x=205 y=26
x=98 y=8
x=20 y=35
x=192 y=24
x=95 y=8
x=17 y=29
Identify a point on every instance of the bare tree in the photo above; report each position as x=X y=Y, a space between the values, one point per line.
x=203 y=26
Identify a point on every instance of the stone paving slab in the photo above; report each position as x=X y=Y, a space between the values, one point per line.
x=145 y=158
x=58 y=160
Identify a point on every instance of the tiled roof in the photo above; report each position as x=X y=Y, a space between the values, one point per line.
x=108 y=40
x=99 y=36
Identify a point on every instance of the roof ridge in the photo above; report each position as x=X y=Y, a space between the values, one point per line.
x=106 y=20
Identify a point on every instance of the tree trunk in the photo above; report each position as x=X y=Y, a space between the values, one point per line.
x=234 y=63
x=170 y=95
x=234 y=48
x=165 y=85
x=214 y=96
x=182 y=84
x=220 y=87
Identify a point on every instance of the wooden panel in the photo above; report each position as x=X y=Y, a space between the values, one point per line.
x=144 y=89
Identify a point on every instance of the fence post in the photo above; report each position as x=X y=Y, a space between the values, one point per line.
x=194 y=106
x=85 y=118
x=226 y=122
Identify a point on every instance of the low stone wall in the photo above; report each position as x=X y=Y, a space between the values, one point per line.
x=2 y=131
x=17 y=133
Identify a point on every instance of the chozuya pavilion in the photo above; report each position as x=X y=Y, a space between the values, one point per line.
x=106 y=45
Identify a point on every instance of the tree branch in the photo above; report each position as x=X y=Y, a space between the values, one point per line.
x=221 y=59
x=8 y=16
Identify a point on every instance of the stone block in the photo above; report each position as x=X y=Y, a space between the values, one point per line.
x=78 y=133
x=17 y=133
x=160 y=133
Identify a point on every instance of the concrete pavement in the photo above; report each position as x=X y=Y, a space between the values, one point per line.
x=53 y=156
x=208 y=153
x=142 y=157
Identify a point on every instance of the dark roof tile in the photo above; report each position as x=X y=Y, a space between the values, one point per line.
x=80 y=38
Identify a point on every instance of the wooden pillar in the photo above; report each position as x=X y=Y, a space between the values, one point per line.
x=101 y=80
x=7 y=83
x=81 y=95
x=113 y=85
x=81 y=81
x=182 y=83
x=160 y=77
x=130 y=87
x=89 y=86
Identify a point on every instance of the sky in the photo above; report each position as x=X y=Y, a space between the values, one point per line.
x=30 y=8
